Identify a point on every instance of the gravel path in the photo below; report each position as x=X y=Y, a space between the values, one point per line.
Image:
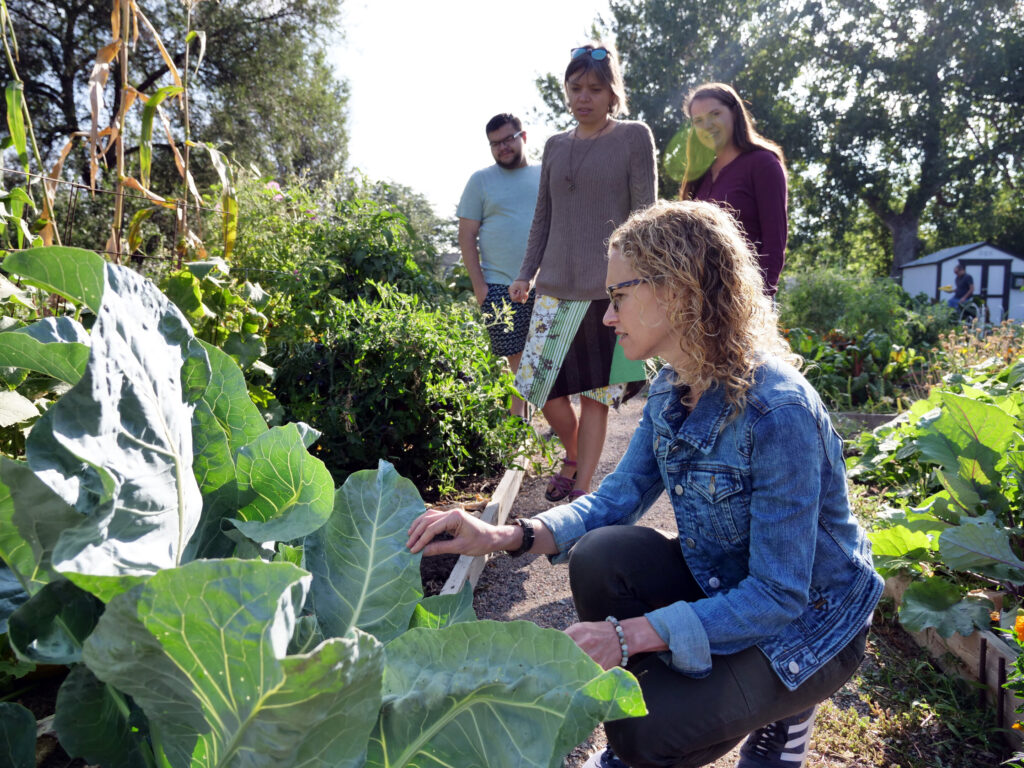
x=531 y=588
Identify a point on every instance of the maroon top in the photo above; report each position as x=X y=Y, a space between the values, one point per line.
x=754 y=187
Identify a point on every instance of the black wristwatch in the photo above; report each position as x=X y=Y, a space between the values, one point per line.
x=527 y=525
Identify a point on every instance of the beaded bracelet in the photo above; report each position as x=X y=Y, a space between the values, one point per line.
x=622 y=639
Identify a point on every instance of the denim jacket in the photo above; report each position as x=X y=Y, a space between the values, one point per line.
x=764 y=522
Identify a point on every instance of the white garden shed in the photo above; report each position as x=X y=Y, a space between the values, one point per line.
x=998 y=277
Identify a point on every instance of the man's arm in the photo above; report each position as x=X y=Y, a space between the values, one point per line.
x=468 y=231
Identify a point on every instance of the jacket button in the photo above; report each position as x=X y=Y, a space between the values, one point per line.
x=794 y=667
x=714 y=583
x=679 y=490
x=690 y=543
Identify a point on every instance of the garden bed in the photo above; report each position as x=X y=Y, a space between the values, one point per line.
x=982 y=658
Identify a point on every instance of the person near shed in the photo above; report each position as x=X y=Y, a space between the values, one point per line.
x=964 y=288
x=757 y=608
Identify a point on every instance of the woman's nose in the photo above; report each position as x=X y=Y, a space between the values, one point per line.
x=610 y=316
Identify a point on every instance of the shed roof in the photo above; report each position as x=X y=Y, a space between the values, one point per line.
x=953 y=252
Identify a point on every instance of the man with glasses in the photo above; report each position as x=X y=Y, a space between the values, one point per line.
x=495 y=214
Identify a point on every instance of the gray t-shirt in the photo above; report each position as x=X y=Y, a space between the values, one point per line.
x=502 y=200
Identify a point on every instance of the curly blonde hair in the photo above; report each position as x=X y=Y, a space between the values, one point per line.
x=711 y=289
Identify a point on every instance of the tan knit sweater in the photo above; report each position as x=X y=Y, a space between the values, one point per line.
x=613 y=175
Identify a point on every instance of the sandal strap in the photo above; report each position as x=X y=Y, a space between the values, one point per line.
x=575 y=494
x=569 y=462
x=561 y=483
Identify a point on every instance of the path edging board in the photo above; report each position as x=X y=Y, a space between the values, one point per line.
x=496 y=513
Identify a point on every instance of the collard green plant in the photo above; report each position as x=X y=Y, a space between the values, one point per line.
x=955 y=465
x=156 y=529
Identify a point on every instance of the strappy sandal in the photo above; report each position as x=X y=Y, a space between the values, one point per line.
x=561 y=486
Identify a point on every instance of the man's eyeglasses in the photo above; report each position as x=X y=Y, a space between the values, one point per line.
x=618 y=286
x=507 y=141
x=597 y=54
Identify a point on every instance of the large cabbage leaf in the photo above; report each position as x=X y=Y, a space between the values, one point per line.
x=118 y=445
x=500 y=694
x=363 y=574
x=202 y=650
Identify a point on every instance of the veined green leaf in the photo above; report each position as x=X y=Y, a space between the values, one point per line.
x=938 y=603
x=50 y=627
x=291 y=492
x=118 y=445
x=980 y=545
x=94 y=722
x=363 y=574
x=74 y=273
x=146 y=142
x=899 y=542
x=56 y=346
x=229 y=400
x=32 y=518
x=17 y=735
x=202 y=650
x=438 y=611
x=492 y=693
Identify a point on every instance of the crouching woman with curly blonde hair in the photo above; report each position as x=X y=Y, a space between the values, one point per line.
x=757 y=607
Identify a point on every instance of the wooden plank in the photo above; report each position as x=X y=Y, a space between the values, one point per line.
x=496 y=513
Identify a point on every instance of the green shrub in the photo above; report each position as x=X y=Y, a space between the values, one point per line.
x=396 y=379
x=312 y=248
x=824 y=300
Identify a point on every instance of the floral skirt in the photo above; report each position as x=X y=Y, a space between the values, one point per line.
x=569 y=351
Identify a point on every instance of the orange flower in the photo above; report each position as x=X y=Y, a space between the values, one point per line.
x=1017 y=726
x=1018 y=626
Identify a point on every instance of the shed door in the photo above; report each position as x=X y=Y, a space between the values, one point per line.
x=992 y=283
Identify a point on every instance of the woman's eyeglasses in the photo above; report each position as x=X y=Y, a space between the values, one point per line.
x=597 y=54
x=618 y=286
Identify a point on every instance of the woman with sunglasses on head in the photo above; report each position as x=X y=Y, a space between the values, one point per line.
x=728 y=162
x=757 y=608
x=592 y=177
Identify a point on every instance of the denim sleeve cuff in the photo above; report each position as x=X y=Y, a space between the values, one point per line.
x=687 y=641
x=566 y=525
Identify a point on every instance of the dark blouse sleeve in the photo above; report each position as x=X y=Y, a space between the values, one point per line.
x=643 y=168
x=770 y=191
x=541 y=225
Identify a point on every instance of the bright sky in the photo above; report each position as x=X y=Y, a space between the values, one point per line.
x=426 y=77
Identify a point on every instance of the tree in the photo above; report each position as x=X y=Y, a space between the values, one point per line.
x=897 y=105
x=262 y=83
x=911 y=102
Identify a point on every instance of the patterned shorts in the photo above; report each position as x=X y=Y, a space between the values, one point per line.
x=506 y=321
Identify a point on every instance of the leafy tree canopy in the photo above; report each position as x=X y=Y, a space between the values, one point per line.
x=259 y=84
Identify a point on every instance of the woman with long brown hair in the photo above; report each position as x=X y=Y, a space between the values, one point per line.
x=728 y=162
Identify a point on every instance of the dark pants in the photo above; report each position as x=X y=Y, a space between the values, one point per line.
x=625 y=571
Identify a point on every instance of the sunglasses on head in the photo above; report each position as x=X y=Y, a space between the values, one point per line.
x=597 y=54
